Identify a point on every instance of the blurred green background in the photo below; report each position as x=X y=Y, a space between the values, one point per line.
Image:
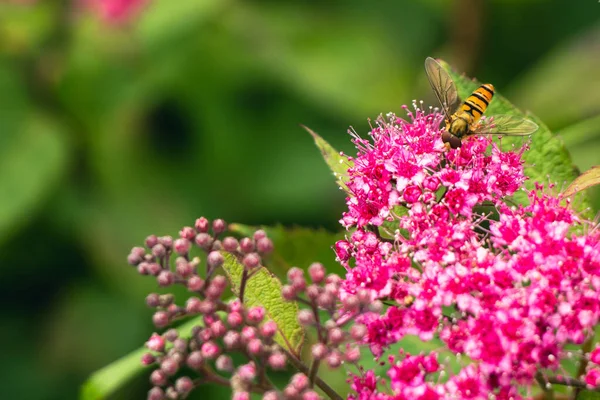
x=111 y=133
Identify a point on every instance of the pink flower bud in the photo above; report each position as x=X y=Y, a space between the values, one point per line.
x=295 y=273
x=203 y=240
x=241 y=396
x=358 y=332
x=306 y=317
x=165 y=278
x=160 y=319
x=195 y=360
x=251 y=260
x=235 y=319
x=156 y=393
x=316 y=272
x=247 y=372
x=224 y=363
x=319 y=351
x=334 y=359
x=151 y=241
x=254 y=347
x=248 y=333
x=592 y=378
x=259 y=234
x=156 y=343
x=192 y=305
x=246 y=245
x=159 y=251
x=288 y=292
x=209 y=350
x=271 y=395
x=187 y=232
x=351 y=303
x=310 y=395
x=299 y=381
x=352 y=354
x=153 y=268
x=219 y=226
x=169 y=366
x=218 y=329
x=255 y=315
x=268 y=329
x=195 y=283
x=184 y=385
x=215 y=259
x=264 y=245
x=202 y=225
x=336 y=336
x=230 y=244
x=313 y=292
x=158 y=378
x=595 y=355
x=182 y=246
x=148 y=359
x=232 y=340
x=152 y=300
x=342 y=250
x=277 y=361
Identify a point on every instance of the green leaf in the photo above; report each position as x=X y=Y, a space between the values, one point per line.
x=297 y=247
x=32 y=160
x=264 y=289
x=547 y=160
x=588 y=395
x=586 y=180
x=337 y=163
x=107 y=380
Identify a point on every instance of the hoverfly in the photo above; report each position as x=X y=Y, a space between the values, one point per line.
x=462 y=120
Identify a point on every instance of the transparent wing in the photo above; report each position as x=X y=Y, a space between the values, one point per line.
x=443 y=86
x=505 y=125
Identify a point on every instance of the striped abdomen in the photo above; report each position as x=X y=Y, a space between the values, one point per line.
x=477 y=102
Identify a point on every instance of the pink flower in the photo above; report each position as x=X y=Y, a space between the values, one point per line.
x=522 y=284
x=115 y=11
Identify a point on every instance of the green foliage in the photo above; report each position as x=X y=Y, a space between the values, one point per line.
x=107 y=380
x=264 y=289
x=297 y=247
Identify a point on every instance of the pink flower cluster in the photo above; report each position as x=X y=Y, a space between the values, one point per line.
x=115 y=11
x=506 y=286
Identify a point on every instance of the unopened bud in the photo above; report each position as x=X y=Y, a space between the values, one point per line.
x=169 y=366
x=203 y=240
x=251 y=260
x=336 y=336
x=230 y=244
x=158 y=378
x=319 y=351
x=202 y=224
x=165 y=278
x=215 y=259
x=334 y=359
x=358 y=332
x=187 y=232
x=219 y=226
x=195 y=360
x=246 y=245
x=306 y=317
x=184 y=385
x=224 y=363
x=277 y=361
x=160 y=319
x=264 y=245
x=152 y=300
x=156 y=393
x=288 y=292
x=195 y=284
x=151 y=241
x=182 y=246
